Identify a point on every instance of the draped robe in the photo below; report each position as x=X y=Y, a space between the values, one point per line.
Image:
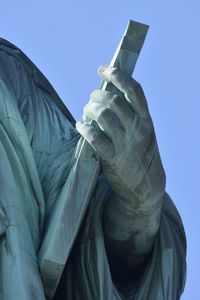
x=37 y=141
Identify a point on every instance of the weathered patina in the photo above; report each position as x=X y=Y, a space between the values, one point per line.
x=130 y=242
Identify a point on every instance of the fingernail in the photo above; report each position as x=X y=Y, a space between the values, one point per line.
x=101 y=69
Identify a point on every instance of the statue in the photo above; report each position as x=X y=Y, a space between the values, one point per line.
x=130 y=242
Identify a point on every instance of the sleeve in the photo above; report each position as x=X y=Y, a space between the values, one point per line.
x=88 y=273
x=165 y=274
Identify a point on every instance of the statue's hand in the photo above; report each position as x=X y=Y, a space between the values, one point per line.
x=124 y=139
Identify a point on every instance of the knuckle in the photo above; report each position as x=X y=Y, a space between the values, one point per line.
x=114 y=72
x=93 y=93
x=93 y=136
x=85 y=108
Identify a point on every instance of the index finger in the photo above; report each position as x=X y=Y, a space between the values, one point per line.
x=128 y=86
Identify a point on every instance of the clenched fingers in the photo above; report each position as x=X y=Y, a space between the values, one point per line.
x=118 y=105
x=128 y=86
x=95 y=137
x=107 y=121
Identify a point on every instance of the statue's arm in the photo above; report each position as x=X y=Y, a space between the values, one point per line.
x=132 y=216
x=125 y=140
x=130 y=232
x=136 y=218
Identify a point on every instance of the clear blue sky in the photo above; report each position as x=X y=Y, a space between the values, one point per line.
x=68 y=40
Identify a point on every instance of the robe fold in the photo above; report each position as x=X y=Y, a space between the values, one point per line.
x=37 y=142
